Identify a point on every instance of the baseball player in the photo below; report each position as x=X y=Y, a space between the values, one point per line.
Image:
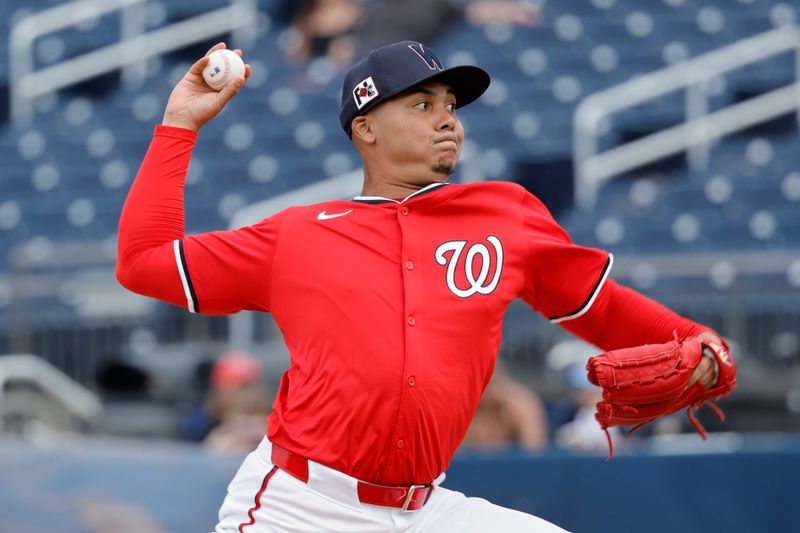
x=390 y=303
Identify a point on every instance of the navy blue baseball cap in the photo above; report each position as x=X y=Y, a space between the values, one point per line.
x=394 y=68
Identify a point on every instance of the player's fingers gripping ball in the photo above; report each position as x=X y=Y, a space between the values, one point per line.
x=223 y=67
x=645 y=382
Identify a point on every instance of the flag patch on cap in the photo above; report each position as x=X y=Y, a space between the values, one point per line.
x=365 y=92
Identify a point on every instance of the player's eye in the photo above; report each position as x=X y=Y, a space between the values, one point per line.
x=423 y=105
x=451 y=106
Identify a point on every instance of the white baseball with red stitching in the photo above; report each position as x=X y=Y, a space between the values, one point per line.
x=223 y=66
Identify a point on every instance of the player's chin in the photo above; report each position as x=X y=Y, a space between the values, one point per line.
x=446 y=164
x=444 y=168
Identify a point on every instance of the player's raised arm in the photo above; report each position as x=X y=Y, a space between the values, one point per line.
x=217 y=272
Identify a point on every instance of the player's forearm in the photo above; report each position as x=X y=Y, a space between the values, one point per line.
x=622 y=317
x=153 y=215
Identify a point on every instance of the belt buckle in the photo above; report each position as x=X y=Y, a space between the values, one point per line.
x=411 y=490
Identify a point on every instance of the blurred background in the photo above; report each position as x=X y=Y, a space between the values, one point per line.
x=664 y=131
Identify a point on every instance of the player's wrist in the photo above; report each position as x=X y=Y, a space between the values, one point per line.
x=178 y=121
x=716 y=349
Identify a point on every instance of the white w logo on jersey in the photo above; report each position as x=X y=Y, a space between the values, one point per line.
x=476 y=284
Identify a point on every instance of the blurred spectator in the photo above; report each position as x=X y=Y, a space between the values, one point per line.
x=389 y=21
x=321 y=27
x=345 y=29
x=582 y=432
x=509 y=414
x=233 y=417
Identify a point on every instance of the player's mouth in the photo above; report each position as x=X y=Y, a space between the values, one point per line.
x=447 y=143
x=449 y=138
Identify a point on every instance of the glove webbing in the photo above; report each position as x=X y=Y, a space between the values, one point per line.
x=689 y=414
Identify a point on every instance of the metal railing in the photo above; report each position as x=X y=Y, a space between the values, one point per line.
x=593 y=168
x=76 y=400
x=135 y=45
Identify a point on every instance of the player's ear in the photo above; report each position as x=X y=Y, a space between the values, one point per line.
x=362 y=129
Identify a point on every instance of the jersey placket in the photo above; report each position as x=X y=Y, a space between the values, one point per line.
x=408 y=219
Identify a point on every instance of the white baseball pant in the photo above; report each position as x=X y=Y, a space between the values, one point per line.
x=262 y=498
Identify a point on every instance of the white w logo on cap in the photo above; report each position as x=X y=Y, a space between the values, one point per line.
x=427 y=55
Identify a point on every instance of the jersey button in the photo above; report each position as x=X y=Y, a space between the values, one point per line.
x=401 y=443
x=410 y=265
x=412 y=320
x=412 y=381
x=404 y=210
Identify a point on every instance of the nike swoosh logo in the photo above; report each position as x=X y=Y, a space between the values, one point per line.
x=326 y=216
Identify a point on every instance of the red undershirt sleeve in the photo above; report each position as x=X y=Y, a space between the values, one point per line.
x=570 y=285
x=621 y=317
x=215 y=273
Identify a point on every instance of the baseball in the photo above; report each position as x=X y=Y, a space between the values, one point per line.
x=223 y=66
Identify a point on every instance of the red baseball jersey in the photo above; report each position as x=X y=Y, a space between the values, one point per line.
x=391 y=309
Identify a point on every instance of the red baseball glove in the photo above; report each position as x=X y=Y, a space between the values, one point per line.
x=645 y=382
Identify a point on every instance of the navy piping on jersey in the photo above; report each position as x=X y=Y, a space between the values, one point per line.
x=587 y=304
x=381 y=200
x=373 y=201
x=186 y=280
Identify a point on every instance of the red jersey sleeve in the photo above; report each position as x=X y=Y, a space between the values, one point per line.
x=214 y=273
x=621 y=317
x=229 y=271
x=562 y=279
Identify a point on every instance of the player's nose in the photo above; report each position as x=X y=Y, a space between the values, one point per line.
x=446 y=120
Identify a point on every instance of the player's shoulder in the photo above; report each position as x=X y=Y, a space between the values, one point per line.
x=319 y=206
x=496 y=190
x=303 y=212
x=507 y=196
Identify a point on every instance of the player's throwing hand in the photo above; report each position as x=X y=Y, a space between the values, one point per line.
x=193 y=103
